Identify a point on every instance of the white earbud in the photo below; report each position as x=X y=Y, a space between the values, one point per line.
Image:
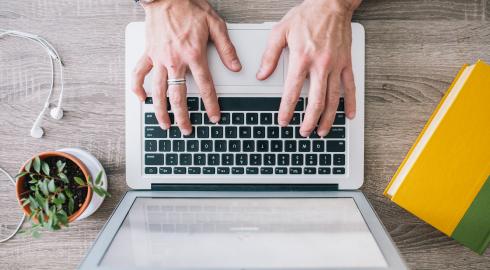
x=56 y=112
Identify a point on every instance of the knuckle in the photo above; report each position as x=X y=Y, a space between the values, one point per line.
x=177 y=99
x=317 y=105
x=228 y=49
x=194 y=54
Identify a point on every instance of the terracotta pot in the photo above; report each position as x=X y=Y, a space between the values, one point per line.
x=20 y=182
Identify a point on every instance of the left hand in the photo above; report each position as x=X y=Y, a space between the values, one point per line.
x=318 y=34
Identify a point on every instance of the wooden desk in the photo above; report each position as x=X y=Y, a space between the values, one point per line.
x=413 y=51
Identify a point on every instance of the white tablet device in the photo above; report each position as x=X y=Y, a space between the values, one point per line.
x=243 y=230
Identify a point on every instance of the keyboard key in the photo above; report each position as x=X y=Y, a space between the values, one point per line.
x=263 y=146
x=336 y=132
x=323 y=170
x=237 y=170
x=273 y=132
x=339 y=119
x=290 y=146
x=311 y=159
x=225 y=119
x=192 y=134
x=223 y=170
x=206 y=146
x=150 y=119
x=220 y=146
x=276 y=146
x=287 y=132
x=297 y=159
x=341 y=105
x=206 y=120
x=309 y=170
x=192 y=146
x=213 y=159
x=199 y=159
x=314 y=135
x=196 y=118
x=318 y=146
x=294 y=170
x=174 y=132
x=296 y=119
x=253 y=104
x=339 y=159
x=276 y=115
x=266 y=118
x=255 y=159
x=234 y=145
x=297 y=134
x=149 y=100
x=304 y=146
x=150 y=145
x=203 y=132
x=179 y=170
x=171 y=159
x=241 y=159
x=325 y=159
x=227 y=159
x=217 y=132
x=154 y=159
x=193 y=103
x=150 y=170
x=178 y=146
x=172 y=117
x=194 y=170
x=252 y=170
x=335 y=146
x=266 y=170
x=237 y=118
x=259 y=132
x=269 y=159
x=164 y=146
x=155 y=132
x=338 y=170
x=231 y=132
x=281 y=170
x=165 y=170
x=283 y=159
x=252 y=118
x=208 y=170
x=245 y=132
x=248 y=146
x=185 y=159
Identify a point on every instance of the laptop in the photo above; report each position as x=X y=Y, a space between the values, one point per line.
x=243 y=193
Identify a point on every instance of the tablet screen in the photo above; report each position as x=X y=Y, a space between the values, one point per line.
x=243 y=233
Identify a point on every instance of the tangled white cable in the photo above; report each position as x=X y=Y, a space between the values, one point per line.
x=23 y=216
x=56 y=112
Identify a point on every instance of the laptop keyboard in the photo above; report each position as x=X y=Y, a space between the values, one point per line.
x=247 y=140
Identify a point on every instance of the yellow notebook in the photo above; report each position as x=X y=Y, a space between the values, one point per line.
x=444 y=179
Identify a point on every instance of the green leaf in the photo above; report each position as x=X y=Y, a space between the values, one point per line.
x=60 y=165
x=57 y=201
x=71 y=205
x=37 y=164
x=45 y=167
x=25 y=202
x=98 y=178
x=33 y=181
x=62 y=197
x=21 y=174
x=27 y=168
x=43 y=185
x=63 y=177
x=69 y=193
x=101 y=192
x=51 y=186
x=79 y=181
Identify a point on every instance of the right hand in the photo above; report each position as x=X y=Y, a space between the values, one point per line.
x=177 y=34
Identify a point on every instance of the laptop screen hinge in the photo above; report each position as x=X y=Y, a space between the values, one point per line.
x=245 y=187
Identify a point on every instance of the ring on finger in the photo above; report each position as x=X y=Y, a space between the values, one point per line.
x=177 y=81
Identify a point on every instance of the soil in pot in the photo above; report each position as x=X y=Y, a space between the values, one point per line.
x=71 y=170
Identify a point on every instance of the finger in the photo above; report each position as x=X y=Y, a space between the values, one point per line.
x=203 y=79
x=316 y=102
x=292 y=89
x=349 y=92
x=142 y=68
x=178 y=99
x=332 y=103
x=219 y=35
x=159 y=95
x=270 y=58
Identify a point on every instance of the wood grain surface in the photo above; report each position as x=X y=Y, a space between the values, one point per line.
x=413 y=51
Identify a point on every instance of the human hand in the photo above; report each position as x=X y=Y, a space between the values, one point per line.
x=177 y=34
x=318 y=34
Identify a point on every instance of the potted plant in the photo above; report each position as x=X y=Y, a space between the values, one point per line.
x=56 y=188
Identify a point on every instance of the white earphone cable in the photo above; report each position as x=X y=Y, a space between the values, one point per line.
x=23 y=216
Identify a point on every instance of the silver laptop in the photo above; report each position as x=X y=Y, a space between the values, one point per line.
x=243 y=193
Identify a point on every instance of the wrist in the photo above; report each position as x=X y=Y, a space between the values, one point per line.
x=340 y=6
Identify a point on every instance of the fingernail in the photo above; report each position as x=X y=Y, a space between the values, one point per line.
x=142 y=99
x=186 y=132
x=351 y=115
x=235 y=64
x=259 y=73
x=214 y=119
x=304 y=133
x=164 y=126
x=283 y=123
x=321 y=133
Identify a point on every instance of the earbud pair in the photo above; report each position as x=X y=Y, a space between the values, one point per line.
x=36 y=130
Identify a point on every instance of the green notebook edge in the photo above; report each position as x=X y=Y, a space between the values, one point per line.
x=473 y=230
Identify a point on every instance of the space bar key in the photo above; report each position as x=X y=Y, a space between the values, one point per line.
x=253 y=103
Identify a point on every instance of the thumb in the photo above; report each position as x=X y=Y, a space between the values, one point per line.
x=219 y=35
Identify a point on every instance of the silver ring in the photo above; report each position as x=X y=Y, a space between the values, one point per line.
x=178 y=81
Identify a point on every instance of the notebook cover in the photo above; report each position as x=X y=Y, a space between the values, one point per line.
x=454 y=166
